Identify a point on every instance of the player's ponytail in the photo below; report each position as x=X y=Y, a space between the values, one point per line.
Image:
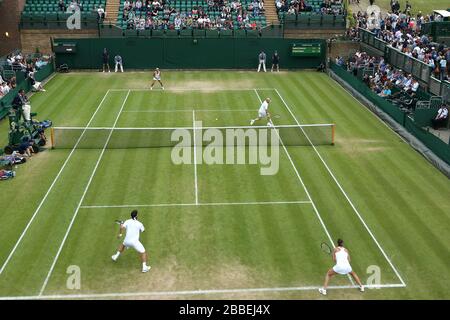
x=340 y=242
x=134 y=214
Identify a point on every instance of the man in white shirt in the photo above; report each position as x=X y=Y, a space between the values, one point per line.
x=263 y=112
x=133 y=229
x=441 y=118
x=443 y=67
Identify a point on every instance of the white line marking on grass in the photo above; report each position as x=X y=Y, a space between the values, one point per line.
x=51 y=186
x=195 y=157
x=188 y=89
x=306 y=190
x=194 y=292
x=194 y=204
x=82 y=198
x=188 y=110
x=344 y=193
x=373 y=113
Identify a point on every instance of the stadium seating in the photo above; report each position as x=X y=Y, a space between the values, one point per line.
x=186 y=6
x=47 y=14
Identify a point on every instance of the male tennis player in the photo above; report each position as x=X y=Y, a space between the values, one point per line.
x=157 y=77
x=342 y=266
x=263 y=112
x=133 y=228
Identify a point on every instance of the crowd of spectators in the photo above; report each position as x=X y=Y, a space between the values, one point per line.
x=77 y=5
x=18 y=63
x=401 y=30
x=333 y=7
x=383 y=78
x=160 y=14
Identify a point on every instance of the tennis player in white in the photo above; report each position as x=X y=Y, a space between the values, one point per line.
x=342 y=266
x=263 y=112
x=157 y=77
x=133 y=229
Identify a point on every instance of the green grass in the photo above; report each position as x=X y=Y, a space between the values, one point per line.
x=400 y=196
x=426 y=6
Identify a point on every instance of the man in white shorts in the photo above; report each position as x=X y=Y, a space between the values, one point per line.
x=133 y=229
x=342 y=266
x=157 y=77
x=263 y=112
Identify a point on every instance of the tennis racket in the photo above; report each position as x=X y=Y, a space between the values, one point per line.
x=120 y=222
x=325 y=248
x=276 y=116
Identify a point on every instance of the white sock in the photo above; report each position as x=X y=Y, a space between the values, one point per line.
x=117 y=254
x=144 y=265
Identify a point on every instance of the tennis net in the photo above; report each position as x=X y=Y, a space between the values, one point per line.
x=124 y=138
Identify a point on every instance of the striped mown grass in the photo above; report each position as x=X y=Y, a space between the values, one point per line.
x=247 y=230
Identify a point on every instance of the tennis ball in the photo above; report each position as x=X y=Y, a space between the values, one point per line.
x=217 y=119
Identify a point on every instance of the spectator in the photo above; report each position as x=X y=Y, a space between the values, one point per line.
x=26 y=147
x=4 y=89
x=262 y=61
x=442 y=68
x=441 y=118
x=101 y=13
x=62 y=6
x=118 y=60
x=105 y=58
x=36 y=85
x=386 y=93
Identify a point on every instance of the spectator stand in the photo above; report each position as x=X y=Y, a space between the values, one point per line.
x=49 y=14
x=44 y=66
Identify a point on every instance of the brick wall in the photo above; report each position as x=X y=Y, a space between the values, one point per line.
x=9 y=22
x=32 y=39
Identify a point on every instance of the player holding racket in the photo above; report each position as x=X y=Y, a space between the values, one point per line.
x=133 y=229
x=263 y=112
x=157 y=77
x=342 y=266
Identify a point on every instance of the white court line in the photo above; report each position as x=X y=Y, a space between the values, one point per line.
x=187 y=89
x=194 y=292
x=194 y=204
x=188 y=110
x=195 y=157
x=316 y=211
x=344 y=193
x=82 y=198
x=51 y=186
x=372 y=112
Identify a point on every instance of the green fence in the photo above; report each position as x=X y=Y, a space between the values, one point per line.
x=185 y=53
x=439 y=31
x=435 y=144
x=22 y=83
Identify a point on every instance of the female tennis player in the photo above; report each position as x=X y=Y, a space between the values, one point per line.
x=157 y=77
x=342 y=266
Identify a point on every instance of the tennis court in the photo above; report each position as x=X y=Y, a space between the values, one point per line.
x=219 y=230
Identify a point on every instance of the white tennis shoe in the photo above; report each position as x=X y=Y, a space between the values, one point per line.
x=323 y=291
x=146 y=269
x=114 y=257
x=252 y=122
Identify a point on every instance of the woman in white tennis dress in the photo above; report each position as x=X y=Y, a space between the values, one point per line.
x=157 y=77
x=342 y=259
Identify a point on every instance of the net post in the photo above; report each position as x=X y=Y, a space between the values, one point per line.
x=52 y=137
x=332 y=133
